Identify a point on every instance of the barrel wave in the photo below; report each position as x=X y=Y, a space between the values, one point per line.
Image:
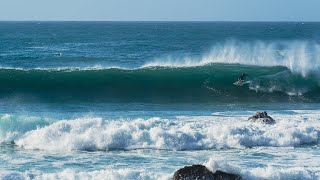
x=208 y=83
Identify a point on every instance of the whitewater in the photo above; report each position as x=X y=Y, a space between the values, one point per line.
x=289 y=149
x=140 y=100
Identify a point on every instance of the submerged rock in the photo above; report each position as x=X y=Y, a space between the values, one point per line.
x=201 y=172
x=262 y=117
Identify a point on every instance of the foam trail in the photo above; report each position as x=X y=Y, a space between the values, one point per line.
x=301 y=57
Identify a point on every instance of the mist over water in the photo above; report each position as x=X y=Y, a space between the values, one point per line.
x=301 y=57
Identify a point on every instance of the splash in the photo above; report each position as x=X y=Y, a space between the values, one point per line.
x=301 y=57
x=189 y=133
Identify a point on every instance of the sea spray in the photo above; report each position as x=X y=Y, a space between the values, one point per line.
x=13 y=126
x=202 y=133
x=300 y=57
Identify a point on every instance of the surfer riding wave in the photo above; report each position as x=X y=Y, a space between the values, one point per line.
x=242 y=76
x=241 y=80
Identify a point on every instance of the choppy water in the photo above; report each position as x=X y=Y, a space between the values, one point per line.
x=139 y=100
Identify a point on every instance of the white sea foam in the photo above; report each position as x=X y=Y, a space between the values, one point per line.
x=12 y=175
x=267 y=172
x=70 y=174
x=102 y=174
x=184 y=133
x=66 y=68
x=299 y=56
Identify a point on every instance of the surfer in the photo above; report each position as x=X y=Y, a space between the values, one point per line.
x=241 y=81
x=242 y=76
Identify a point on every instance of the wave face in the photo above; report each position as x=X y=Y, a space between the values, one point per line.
x=209 y=83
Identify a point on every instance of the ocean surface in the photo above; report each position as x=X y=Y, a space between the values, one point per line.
x=139 y=100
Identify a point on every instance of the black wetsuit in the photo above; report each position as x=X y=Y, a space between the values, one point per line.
x=242 y=77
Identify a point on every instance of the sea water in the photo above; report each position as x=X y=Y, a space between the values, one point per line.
x=139 y=100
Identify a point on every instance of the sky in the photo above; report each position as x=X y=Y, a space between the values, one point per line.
x=160 y=10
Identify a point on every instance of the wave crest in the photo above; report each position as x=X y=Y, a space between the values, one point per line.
x=301 y=57
x=202 y=133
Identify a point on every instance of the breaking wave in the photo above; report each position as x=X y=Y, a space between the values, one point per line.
x=282 y=71
x=211 y=83
x=302 y=57
x=183 y=133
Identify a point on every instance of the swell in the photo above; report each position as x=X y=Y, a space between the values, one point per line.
x=209 y=83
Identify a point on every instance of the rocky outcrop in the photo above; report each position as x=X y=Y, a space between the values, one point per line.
x=193 y=172
x=262 y=117
x=201 y=172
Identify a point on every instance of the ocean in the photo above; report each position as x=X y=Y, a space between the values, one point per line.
x=140 y=100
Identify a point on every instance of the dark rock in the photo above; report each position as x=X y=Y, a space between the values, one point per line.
x=201 y=172
x=220 y=175
x=262 y=117
x=193 y=172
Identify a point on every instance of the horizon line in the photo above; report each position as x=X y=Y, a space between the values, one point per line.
x=154 y=21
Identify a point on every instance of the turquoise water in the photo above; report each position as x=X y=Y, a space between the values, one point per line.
x=139 y=100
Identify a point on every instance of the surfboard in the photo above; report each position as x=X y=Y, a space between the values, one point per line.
x=241 y=82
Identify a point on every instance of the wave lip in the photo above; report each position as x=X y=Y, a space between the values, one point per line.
x=300 y=57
